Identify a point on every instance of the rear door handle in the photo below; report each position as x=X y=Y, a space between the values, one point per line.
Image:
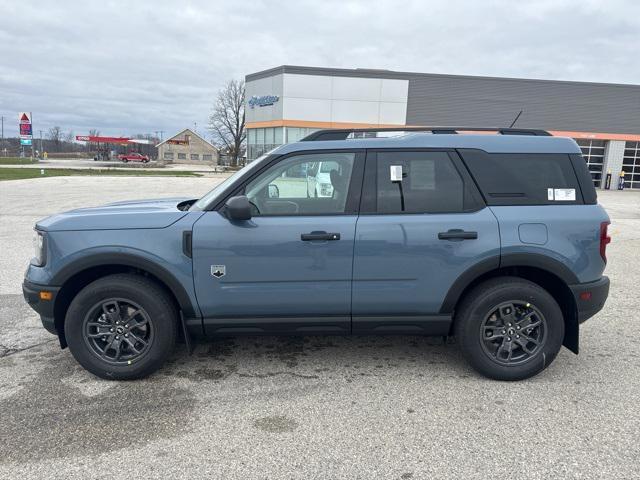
x=457 y=234
x=315 y=236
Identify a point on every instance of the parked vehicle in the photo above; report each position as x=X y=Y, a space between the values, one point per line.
x=497 y=240
x=319 y=182
x=133 y=157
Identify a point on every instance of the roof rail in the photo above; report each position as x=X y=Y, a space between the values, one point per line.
x=343 y=133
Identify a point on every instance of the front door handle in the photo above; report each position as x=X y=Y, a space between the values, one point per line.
x=316 y=235
x=457 y=234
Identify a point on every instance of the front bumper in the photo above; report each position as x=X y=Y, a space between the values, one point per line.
x=44 y=308
x=590 y=297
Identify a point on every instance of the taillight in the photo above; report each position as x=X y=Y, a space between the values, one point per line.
x=605 y=239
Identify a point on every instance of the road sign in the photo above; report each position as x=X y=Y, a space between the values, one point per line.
x=26 y=131
x=25 y=141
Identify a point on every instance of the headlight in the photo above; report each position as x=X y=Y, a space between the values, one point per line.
x=39 y=249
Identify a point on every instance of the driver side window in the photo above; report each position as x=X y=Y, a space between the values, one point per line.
x=315 y=184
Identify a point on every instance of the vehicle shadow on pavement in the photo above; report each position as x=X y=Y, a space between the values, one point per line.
x=339 y=356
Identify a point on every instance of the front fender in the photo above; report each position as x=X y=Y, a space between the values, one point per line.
x=134 y=258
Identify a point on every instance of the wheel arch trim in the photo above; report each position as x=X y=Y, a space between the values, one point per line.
x=494 y=263
x=128 y=259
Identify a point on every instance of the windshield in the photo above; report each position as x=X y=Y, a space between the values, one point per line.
x=209 y=196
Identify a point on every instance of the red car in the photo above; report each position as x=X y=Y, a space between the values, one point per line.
x=133 y=157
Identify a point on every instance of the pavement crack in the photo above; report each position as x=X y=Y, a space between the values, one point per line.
x=7 y=351
x=273 y=374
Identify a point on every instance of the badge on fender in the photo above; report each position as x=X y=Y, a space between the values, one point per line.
x=218 y=270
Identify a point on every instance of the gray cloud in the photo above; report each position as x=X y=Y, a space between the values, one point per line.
x=137 y=67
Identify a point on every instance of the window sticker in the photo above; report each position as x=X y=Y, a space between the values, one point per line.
x=396 y=173
x=564 y=194
x=550 y=194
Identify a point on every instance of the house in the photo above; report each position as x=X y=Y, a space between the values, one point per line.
x=187 y=147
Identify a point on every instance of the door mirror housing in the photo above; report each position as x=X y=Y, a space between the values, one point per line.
x=238 y=208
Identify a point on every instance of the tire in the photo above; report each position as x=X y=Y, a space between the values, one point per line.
x=150 y=334
x=494 y=313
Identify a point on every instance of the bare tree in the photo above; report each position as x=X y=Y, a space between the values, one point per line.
x=227 y=120
x=55 y=135
x=94 y=132
x=69 y=137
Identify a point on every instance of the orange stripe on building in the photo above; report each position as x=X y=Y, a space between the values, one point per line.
x=313 y=124
x=597 y=136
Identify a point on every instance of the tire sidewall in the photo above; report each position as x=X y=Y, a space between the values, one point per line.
x=483 y=302
x=144 y=294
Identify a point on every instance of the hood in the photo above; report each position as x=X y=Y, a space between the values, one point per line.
x=156 y=213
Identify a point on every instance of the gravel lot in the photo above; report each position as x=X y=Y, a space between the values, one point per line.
x=313 y=407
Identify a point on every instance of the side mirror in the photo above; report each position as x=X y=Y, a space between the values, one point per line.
x=238 y=208
x=274 y=191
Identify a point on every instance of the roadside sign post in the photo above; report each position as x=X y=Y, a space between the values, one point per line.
x=26 y=131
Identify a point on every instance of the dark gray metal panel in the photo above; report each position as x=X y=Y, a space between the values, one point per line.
x=550 y=105
x=335 y=72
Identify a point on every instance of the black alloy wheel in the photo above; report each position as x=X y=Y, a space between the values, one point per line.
x=513 y=332
x=118 y=331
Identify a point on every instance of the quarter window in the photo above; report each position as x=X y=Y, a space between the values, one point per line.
x=418 y=182
x=524 y=179
x=315 y=184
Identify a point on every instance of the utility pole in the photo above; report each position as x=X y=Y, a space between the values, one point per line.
x=2 y=137
x=41 y=149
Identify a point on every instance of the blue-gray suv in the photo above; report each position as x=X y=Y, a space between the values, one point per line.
x=494 y=237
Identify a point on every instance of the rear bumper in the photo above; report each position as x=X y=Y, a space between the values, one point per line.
x=44 y=308
x=590 y=297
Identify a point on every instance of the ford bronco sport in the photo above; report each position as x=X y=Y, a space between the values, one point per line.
x=496 y=239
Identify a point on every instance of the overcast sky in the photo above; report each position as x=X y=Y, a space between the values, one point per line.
x=127 y=67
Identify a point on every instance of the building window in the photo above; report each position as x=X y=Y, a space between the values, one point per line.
x=593 y=153
x=207 y=157
x=182 y=156
x=168 y=155
x=631 y=164
x=195 y=156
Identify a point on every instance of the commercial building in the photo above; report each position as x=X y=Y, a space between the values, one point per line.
x=286 y=103
x=187 y=147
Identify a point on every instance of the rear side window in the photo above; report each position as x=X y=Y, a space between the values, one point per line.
x=430 y=183
x=524 y=179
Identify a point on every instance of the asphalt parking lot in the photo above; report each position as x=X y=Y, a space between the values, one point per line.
x=311 y=407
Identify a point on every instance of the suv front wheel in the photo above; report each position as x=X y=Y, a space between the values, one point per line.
x=121 y=327
x=509 y=328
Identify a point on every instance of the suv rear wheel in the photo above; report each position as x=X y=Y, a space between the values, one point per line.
x=509 y=328
x=121 y=327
